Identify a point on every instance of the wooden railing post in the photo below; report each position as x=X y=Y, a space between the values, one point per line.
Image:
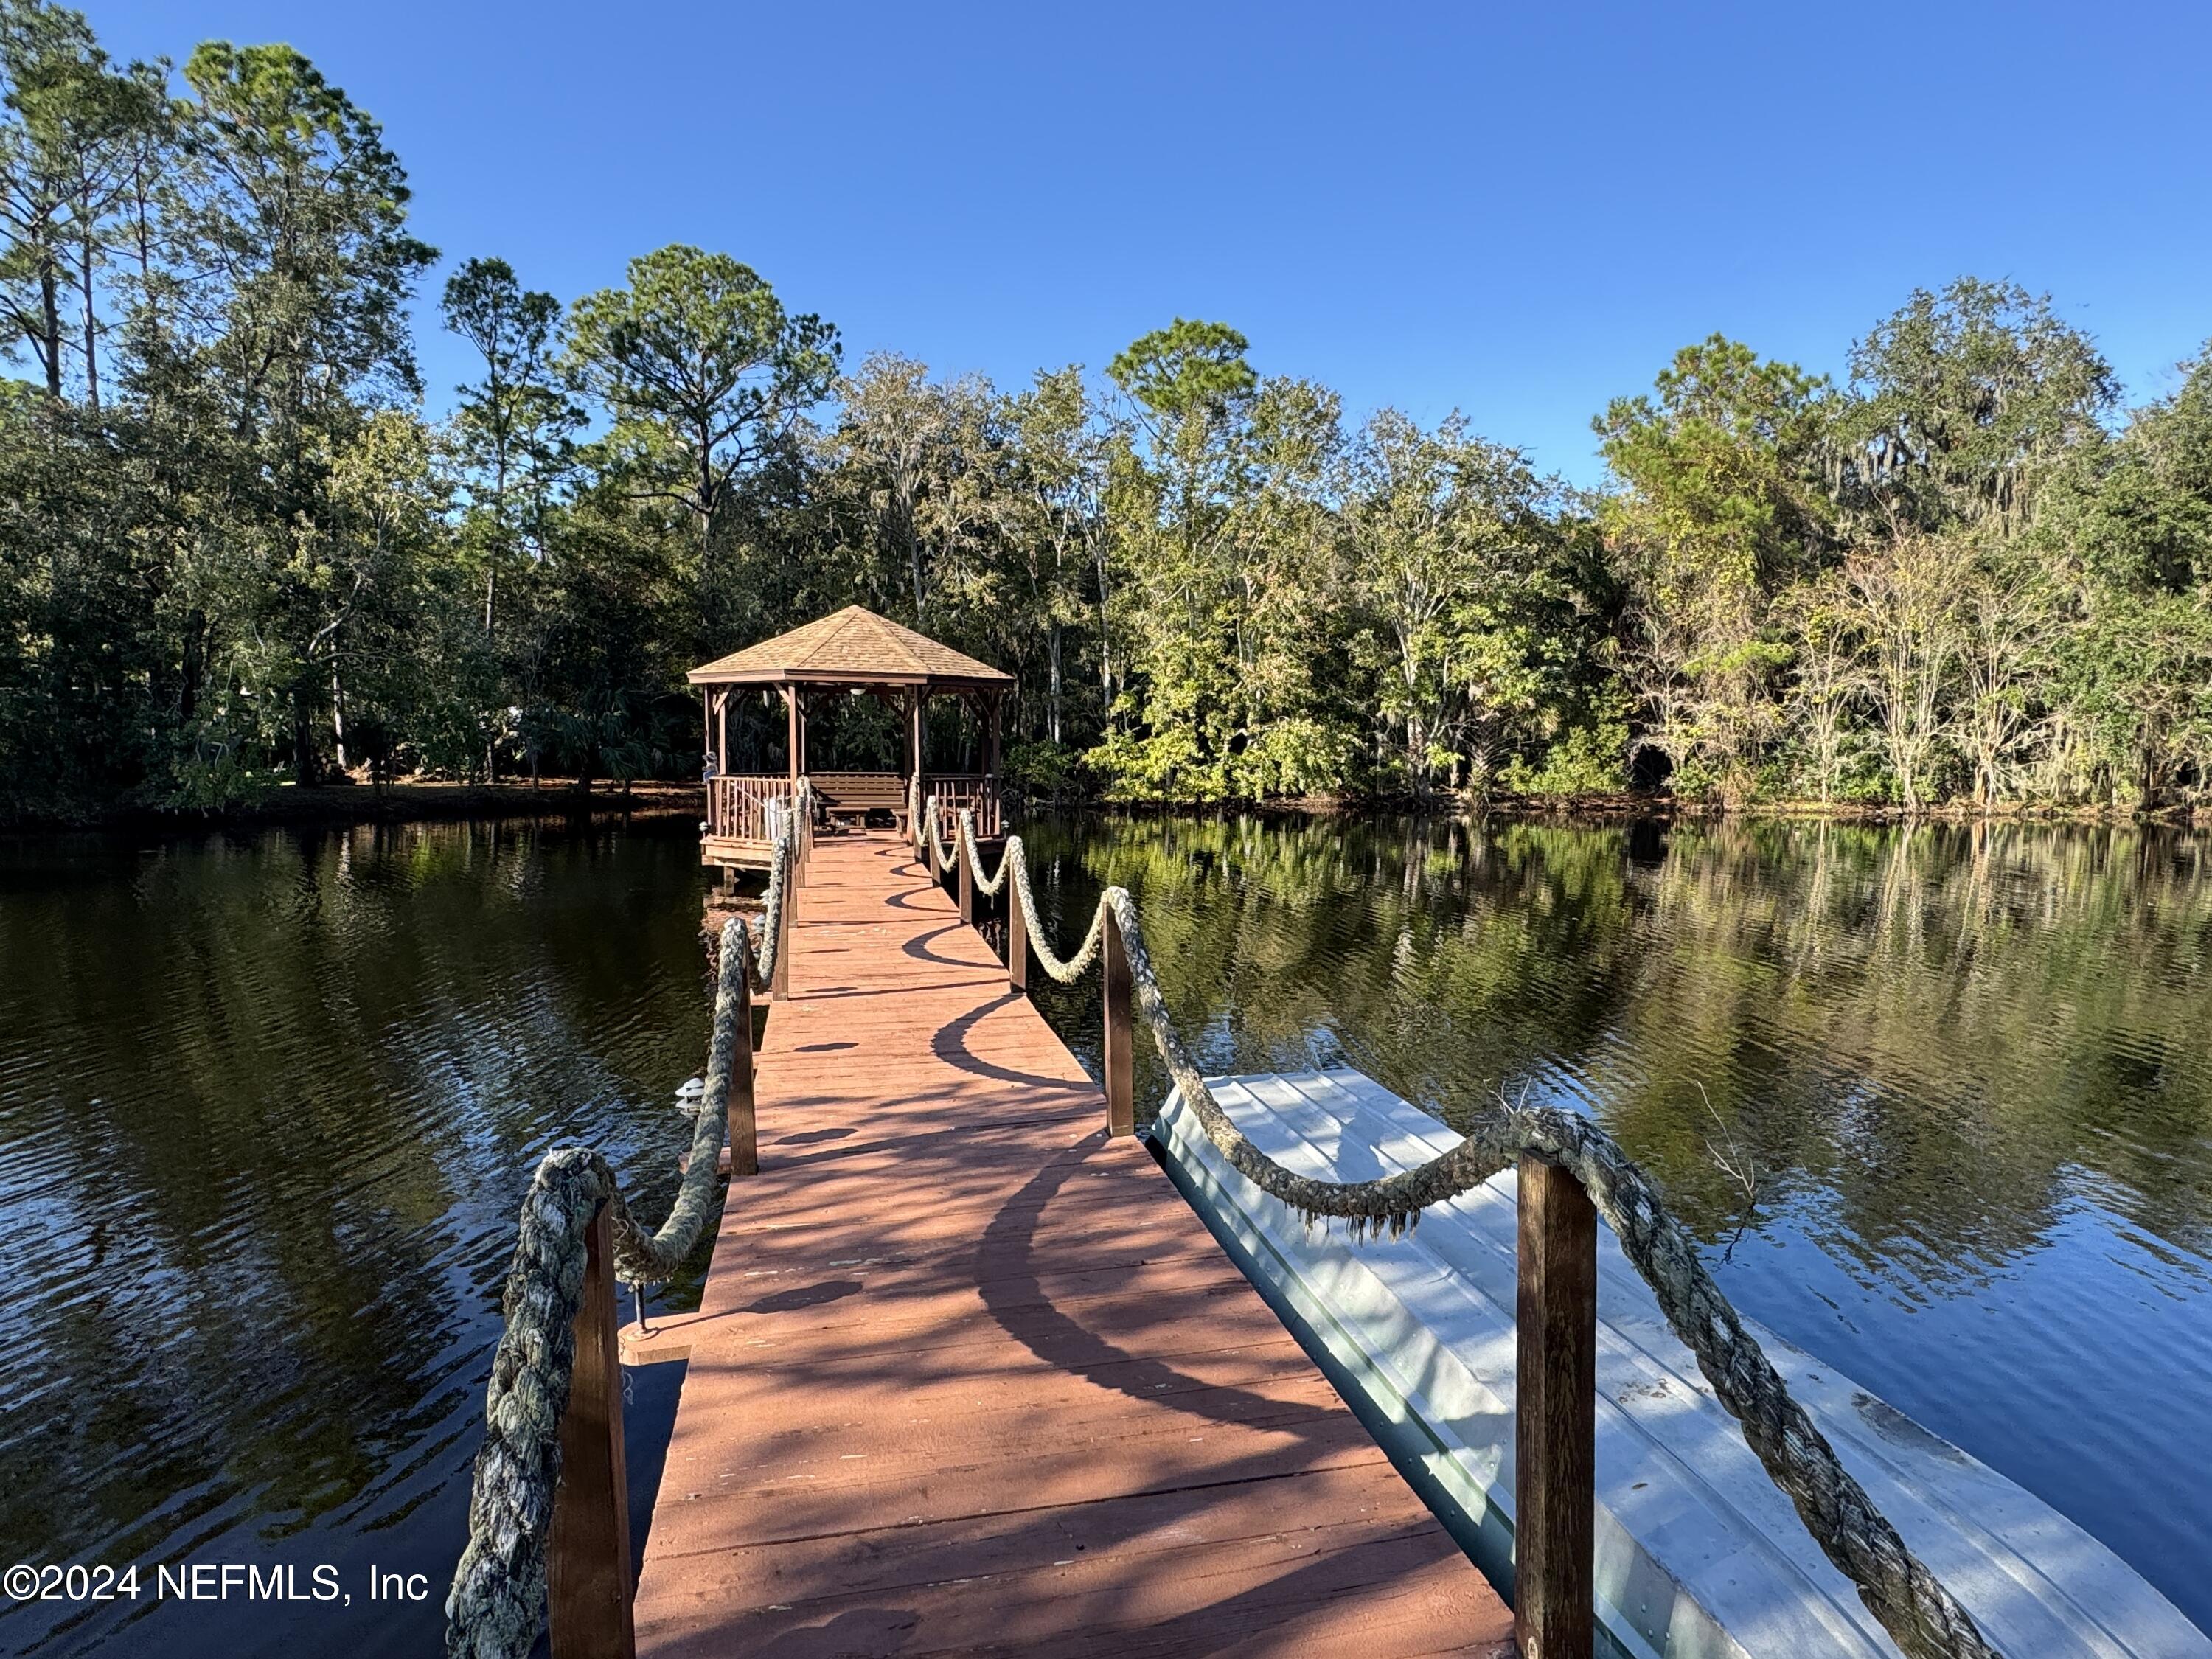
x=1017 y=937
x=1117 y=1055
x=802 y=829
x=1555 y=1388
x=738 y=1107
x=587 y=1564
x=782 y=922
x=963 y=854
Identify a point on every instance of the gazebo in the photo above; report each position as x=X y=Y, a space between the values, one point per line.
x=853 y=651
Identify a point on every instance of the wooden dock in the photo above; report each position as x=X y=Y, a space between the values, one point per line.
x=968 y=1377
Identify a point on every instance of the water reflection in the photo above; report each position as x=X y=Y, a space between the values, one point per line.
x=1975 y=1064
x=267 y=1105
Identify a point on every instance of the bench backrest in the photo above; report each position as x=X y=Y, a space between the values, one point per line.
x=871 y=789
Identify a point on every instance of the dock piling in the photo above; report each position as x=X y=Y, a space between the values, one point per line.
x=1555 y=1464
x=1118 y=1055
x=587 y=1556
x=738 y=1104
x=780 y=986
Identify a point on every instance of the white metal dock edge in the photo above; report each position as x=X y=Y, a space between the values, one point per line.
x=1699 y=1556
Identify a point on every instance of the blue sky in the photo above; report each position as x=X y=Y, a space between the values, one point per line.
x=1518 y=210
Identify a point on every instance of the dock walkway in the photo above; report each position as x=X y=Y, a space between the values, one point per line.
x=970 y=1377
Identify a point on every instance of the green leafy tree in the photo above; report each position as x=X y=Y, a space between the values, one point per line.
x=513 y=435
x=2132 y=684
x=702 y=367
x=924 y=465
x=1062 y=445
x=298 y=212
x=371 y=562
x=2136 y=510
x=295 y=212
x=1720 y=505
x=1228 y=553
x=608 y=645
x=515 y=429
x=2126 y=530
x=230 y=546
x=892 y=441
x=1967 y=403
x=74 y=144
x=1450 y=539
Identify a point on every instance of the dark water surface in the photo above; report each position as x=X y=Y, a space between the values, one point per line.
x=267 y=1105
x=1975 y=1069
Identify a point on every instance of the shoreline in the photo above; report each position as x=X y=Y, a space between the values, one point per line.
x=1626 y=807
x=430 y=802
x=339 y=804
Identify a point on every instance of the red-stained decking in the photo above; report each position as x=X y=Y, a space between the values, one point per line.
x=967 y=1377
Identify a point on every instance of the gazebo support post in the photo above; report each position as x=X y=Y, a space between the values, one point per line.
x=914 y=733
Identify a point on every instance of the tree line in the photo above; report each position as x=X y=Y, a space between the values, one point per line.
x=236 y=551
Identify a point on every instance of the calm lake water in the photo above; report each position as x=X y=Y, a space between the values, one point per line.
x=267 y=1103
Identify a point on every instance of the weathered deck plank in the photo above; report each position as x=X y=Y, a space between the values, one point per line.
x=968 y=1377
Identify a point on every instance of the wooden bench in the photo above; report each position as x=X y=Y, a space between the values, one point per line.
x=853 y=795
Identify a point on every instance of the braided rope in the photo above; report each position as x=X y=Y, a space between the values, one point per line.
x=987 y=888
x=1909 y=1602
x=768 y=949
x=931 y=813
x=1017 y=859
x=497 y=1603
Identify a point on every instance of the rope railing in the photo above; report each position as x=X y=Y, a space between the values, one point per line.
x=498 y=1601
x=1920 y=1614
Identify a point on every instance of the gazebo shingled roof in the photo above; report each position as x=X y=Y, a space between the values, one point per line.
x=851 y=647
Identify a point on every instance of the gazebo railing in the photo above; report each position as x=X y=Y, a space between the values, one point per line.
x=967 y=791
x=738 y=805
x=738 y=802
